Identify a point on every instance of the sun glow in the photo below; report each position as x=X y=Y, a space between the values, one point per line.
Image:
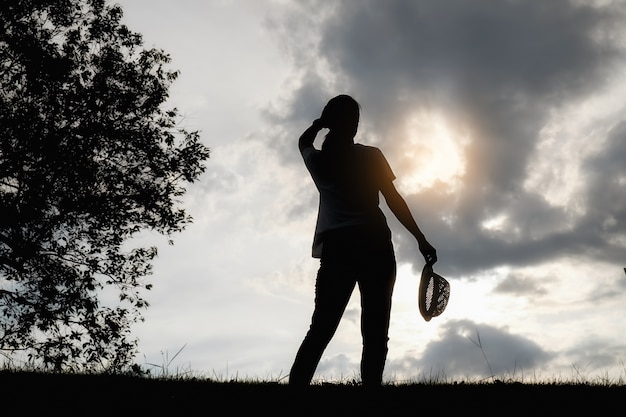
x=433 y=153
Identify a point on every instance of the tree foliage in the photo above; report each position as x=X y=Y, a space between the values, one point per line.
x=89 y=158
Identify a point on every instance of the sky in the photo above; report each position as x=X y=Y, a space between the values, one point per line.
x=504 y=124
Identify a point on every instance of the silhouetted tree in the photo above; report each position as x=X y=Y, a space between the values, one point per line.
x=88 y=160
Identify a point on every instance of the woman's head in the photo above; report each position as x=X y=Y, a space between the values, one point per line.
x=341 y=114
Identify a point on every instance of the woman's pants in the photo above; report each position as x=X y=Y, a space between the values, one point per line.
x=351 y=256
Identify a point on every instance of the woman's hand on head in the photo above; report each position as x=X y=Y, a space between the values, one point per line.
x=319 y=124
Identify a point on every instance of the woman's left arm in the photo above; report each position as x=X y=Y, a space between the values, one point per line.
x=400 y=209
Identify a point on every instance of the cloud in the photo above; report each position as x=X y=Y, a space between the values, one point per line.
x=495 y=76
x=519 y=284
x=595 y=355
x=465 y=350
x=339 y=367
x=504 y=122
x=470 y=350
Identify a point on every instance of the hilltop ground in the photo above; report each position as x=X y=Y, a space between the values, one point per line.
x=30 y=393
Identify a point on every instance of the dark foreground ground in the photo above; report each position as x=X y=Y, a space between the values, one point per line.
x=88 y=395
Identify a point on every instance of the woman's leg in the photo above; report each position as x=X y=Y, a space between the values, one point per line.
x=376 y=287
x=333 y=288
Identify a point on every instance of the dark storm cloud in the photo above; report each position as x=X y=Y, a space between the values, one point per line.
x=496 y=68
x=605 y=220
x=518 y=284
x=595 y=354
x=470 y=350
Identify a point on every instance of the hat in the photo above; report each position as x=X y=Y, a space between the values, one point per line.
x=434 y=293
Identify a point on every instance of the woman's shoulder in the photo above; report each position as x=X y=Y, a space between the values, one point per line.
x=368 y=150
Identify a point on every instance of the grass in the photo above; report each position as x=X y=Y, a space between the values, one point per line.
x=158 y=389
x=32 y=392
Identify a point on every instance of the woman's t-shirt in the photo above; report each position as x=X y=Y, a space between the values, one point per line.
x=349 y=183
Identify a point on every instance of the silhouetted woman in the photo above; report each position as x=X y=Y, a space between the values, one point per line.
x=351 y=239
